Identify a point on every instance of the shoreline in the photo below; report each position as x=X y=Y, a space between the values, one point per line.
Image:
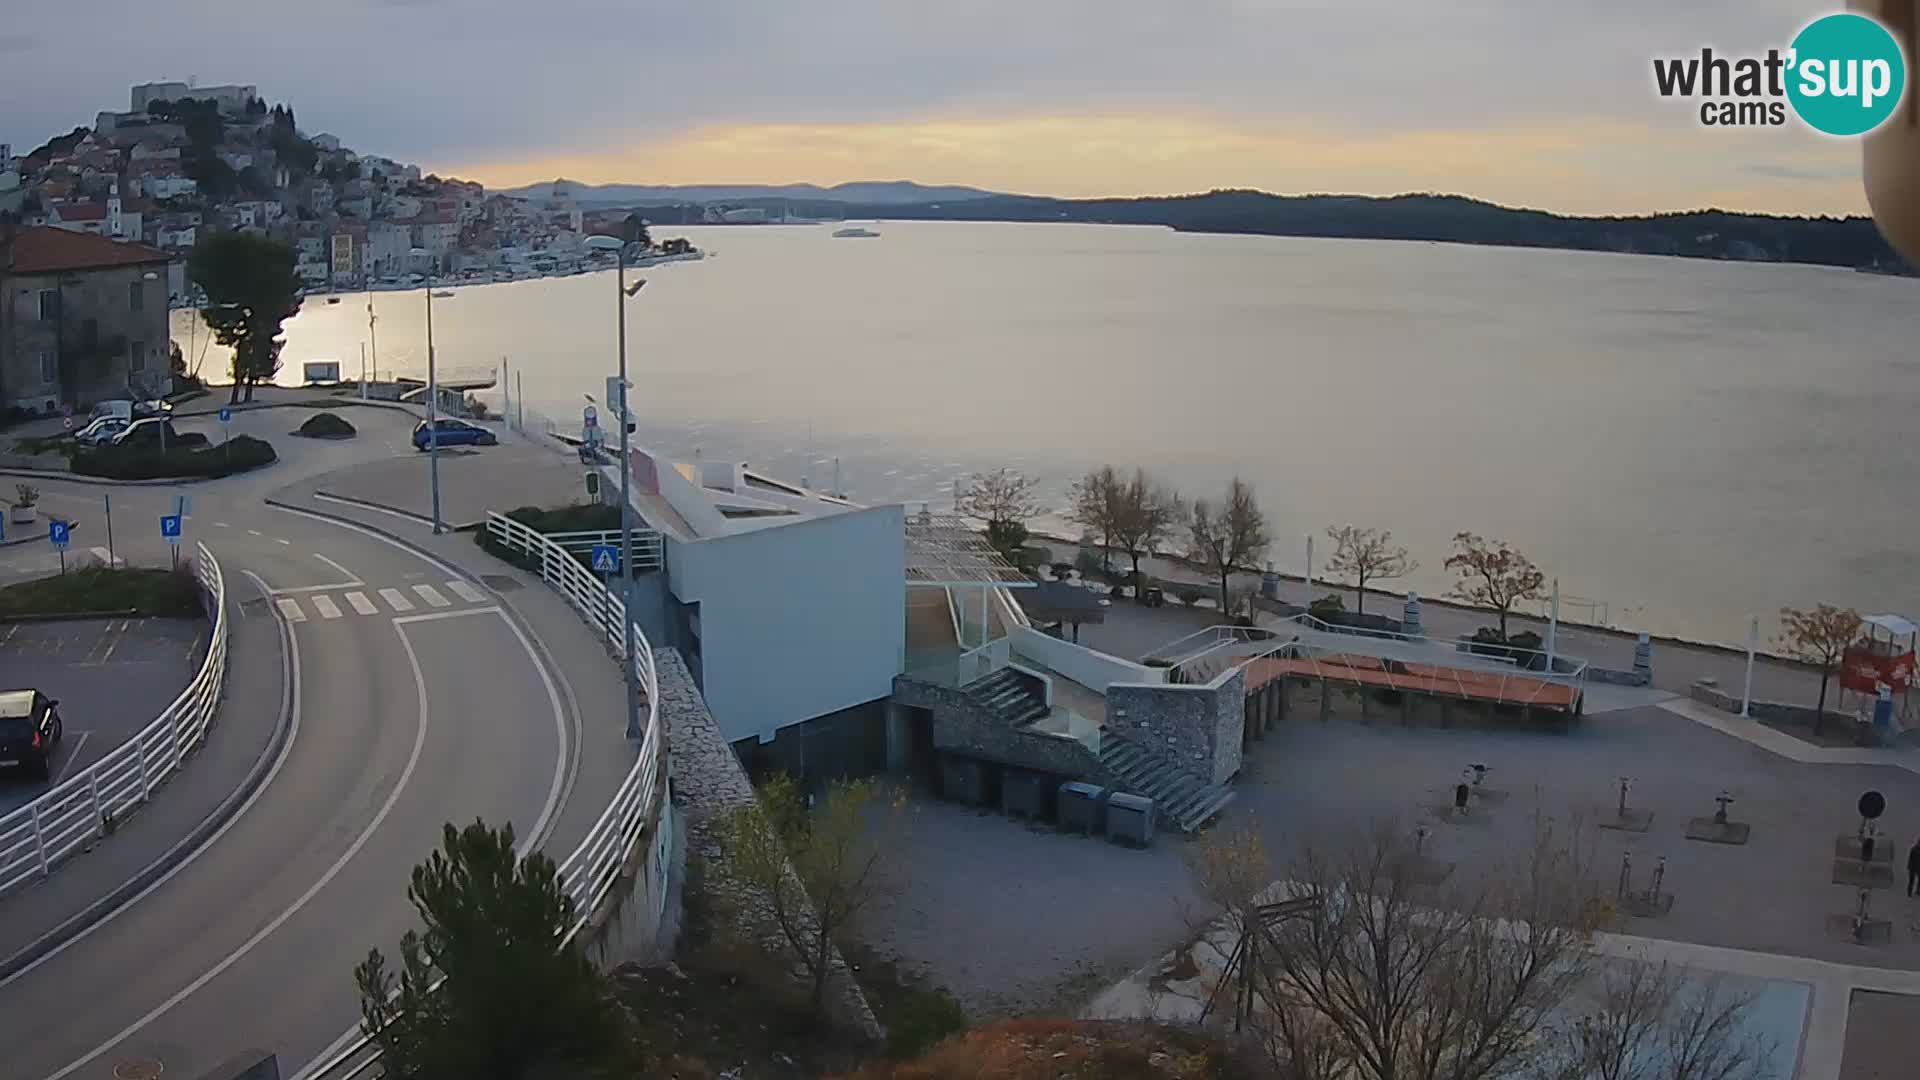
x=1624 y=636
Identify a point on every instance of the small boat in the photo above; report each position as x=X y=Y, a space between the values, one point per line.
x=442 y=294
x=333 y=299
x=854 y=231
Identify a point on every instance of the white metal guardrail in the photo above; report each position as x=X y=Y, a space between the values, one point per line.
x=91 y=803
x=648 y=550
x=589 y=874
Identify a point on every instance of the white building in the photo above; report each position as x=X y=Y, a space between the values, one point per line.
x=387 y=248
x=167 y=186
x=436 y=233
x=789 y=605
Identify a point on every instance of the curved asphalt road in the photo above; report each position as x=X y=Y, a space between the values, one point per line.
x=406 y=719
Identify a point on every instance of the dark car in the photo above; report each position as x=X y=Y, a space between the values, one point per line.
x=148 y=432
x=29 y=729
x=450 y=432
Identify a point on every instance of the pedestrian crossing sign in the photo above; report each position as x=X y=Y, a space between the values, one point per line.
x=606 y=559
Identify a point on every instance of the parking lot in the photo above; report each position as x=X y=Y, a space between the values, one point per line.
x=111 y=677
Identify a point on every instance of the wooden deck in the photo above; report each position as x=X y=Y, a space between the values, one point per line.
x=1463 y=683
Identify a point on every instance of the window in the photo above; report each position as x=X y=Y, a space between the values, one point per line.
x=49 y=368
x=137 y=296
x=49 y=305
x=89 y=333
x=136 y=356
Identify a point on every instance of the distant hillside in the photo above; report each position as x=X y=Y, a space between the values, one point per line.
x=1708 y=234
x=876 y=193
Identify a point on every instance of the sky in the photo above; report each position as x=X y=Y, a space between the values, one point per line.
x=1542 y=103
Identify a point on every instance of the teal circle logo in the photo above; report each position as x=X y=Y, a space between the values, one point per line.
x=1847 y=74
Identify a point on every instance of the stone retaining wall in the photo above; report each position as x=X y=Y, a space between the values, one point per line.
x=708 y=782
x=1198 y=728
x=1707 y=692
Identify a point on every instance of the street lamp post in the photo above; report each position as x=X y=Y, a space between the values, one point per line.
x=433 y=407
x=621 y=295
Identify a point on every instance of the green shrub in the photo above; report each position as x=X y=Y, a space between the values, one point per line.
x=921 y=1018
x=1328 y=609
x=239 y=454
x=1189 y=594
x=579 y=517
x=326 y=425
x=1087 y=563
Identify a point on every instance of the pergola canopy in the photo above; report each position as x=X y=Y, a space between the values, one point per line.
x=943 y=549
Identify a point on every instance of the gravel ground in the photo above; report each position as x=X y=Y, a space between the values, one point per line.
x=1010 y=918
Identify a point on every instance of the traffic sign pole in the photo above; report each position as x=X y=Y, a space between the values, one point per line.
x=108 y=500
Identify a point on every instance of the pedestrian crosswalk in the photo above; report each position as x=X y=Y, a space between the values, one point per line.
x=296 y=608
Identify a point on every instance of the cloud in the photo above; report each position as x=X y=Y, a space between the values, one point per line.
x=515 y=84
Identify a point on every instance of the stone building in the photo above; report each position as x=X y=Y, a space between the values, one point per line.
x=82 y=318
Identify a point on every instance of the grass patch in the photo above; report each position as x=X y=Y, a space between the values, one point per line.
x=1072 y=1050
x=916 y=1015
x=164 y=593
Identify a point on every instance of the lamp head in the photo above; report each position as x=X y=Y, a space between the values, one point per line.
x=602 y=242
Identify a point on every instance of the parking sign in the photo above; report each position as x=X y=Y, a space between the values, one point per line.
x=170 y=528
x=58 y=531
x=226 y=415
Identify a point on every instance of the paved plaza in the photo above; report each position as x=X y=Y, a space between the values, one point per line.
x=1017 y=918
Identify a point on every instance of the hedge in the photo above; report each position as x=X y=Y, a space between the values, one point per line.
x=165 y=593
x=326 y=426
x=239 y=454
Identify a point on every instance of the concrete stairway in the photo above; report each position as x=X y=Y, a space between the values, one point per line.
x=1179 y=797
x=1010 y=696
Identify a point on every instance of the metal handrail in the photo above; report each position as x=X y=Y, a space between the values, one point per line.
x=648 y=548
x=589 y=874
x=94 y=801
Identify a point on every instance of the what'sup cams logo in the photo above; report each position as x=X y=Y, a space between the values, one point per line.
x=1844 y=75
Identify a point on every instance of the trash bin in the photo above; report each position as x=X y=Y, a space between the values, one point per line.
x=963 y=780
x=1082 y=806
x=1129 y=819
x=1024 y=794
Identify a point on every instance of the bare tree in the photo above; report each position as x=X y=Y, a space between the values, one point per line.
x=1147 y=514
x=1093 y=503
x=1228 y=535
x=1820 y=637
x=818 y=871
x=1003 y=501
x=1655 y=1022
x=1493 y=575
x=1367 y=555
x=1363 y=971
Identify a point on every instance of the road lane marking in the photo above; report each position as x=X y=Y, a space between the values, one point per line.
x=361 y=604
x=335 y=587
x=465 y=591
x=221 y=525
x=73 y=755
x=326 y=607
x=253 y=532
x=351 y=576
x=247 y=946
x=288 y=543
x=432 y=596
x=290 y=712
x=436 y=616
x=291 y=609
x=396 y=600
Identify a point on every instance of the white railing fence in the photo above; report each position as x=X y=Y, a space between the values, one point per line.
x=648 y=550
x=90 y=804
x=589 y=874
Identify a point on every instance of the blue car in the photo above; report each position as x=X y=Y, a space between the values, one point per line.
x=452 y=433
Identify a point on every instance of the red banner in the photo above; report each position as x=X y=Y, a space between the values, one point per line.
x=1866 y=671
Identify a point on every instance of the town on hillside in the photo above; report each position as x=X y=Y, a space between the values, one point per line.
x=185 y=160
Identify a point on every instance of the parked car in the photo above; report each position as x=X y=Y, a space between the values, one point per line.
x=30 y=728
x=453 y=432
x=100 y=431
x=127 y=409
x=149 y=432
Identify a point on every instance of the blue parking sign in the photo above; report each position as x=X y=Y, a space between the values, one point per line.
x=170 y=528
x=606 y=558
x=226 y=415
x=57 y=531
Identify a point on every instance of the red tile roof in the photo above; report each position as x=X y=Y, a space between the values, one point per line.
x=81 y=211
x=43 y=249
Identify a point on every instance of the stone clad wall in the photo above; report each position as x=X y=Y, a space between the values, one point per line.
x=1198 y=728
x=962 y=727
x=708 y=781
